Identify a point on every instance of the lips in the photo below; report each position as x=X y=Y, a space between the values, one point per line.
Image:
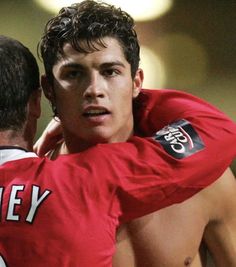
x=95 y=111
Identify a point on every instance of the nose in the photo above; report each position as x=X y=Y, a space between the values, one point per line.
x=95 y=87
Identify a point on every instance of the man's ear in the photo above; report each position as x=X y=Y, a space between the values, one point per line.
x=138 y=82
x=47 y=88
x=34 y=105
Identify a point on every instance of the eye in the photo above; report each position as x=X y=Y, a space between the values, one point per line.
x=73 y=74
x=110 y=72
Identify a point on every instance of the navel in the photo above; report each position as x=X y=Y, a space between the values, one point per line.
x=188 y=261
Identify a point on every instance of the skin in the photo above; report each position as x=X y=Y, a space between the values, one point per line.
x=99 y=89
x=172 y=236
x=94 y=82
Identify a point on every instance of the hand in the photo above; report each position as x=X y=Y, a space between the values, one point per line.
x=49 y=138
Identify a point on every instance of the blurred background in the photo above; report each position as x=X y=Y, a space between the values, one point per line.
x=185 y=45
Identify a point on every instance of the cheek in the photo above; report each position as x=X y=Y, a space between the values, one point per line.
x=66 y=94
x=123 y=102
x=68 y=105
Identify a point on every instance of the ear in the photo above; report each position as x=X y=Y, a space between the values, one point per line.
x=34 y=105
x=138 y=82
x=47 y=88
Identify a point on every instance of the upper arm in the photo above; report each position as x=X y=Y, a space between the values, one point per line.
x=220 y=233
x=222 y=196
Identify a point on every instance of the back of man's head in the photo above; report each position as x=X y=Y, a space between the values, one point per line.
x=19 y=78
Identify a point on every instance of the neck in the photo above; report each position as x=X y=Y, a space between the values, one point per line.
x=74 y=144
x=15 y=139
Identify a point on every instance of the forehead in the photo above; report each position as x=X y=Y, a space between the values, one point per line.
x=112 y=51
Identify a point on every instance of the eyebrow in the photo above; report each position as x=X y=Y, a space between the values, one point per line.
x=112 y=63
x=72 y=65
x=103 y=65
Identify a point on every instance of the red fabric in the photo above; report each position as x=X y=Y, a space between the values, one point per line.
x=83 y=196
x=154 y=109
x=75 y=223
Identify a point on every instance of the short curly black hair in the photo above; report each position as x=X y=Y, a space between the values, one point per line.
x=88 y=21
x=19 y=78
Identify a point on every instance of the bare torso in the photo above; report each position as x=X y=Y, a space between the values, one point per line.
x=172 y=237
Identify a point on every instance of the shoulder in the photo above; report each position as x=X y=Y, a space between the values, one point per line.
x=170 y=98
x=154 y=109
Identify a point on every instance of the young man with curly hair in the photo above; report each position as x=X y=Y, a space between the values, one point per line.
x=92 y=78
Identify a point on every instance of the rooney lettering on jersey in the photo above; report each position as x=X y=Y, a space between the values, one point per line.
x=13 y=200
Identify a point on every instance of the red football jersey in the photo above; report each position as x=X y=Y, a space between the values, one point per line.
x=65 y=212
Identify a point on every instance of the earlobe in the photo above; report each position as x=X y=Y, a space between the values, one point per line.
x=138 y=82
x=34 y=105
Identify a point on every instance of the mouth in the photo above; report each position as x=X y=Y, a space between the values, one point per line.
x=96 y=112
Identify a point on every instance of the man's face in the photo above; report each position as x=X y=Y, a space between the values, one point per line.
x=94 y=93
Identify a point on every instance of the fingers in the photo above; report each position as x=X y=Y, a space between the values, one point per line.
x=49 y=138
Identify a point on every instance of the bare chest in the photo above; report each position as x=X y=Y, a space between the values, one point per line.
x=168 y=238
